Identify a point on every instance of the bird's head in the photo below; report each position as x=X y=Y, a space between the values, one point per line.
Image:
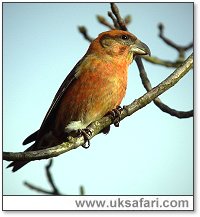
x=119 y=44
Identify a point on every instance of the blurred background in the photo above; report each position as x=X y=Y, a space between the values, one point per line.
x=151 y=153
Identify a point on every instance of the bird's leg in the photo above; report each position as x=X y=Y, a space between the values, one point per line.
x=116 y=114
x=86 y=133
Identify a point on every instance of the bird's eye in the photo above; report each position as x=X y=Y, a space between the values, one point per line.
x=124 y=37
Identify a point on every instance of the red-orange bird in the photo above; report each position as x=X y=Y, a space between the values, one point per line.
x=95 y=86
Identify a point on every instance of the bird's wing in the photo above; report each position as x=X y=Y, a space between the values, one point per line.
x=68 y=80
x=50 y=115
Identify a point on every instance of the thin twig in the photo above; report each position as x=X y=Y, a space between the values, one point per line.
x=104 y=22
x=170 y=42
x=82 y=190
x=38 y=189
x=50 y=178
x=54 y=191
x=120 y=21
x=116 y=25
x=127 y=19
x=98 y=126
x=84 y=32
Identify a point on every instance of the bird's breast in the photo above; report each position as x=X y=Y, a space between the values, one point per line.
x=99 y=88
x=103 y=81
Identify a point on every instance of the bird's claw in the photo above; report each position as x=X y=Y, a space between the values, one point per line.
x=116 y=114
x=86 y=133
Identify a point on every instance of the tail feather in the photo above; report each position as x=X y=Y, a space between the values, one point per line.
x=17 y=165
x=31 y=138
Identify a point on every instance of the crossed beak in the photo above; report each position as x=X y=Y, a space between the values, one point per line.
x=140 y=48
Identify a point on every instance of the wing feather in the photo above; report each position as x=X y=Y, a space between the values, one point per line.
x=51 y=113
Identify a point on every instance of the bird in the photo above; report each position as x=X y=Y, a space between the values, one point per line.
x=95 y=86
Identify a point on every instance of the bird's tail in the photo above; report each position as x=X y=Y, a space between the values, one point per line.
x=31 y=138
x=19 y=164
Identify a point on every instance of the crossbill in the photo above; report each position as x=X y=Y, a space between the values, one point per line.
x=95 y=86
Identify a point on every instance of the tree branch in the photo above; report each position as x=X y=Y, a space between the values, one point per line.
x=98 y=126
x=158 y=61
x=181 y=49
x=54 y=191
x=147 y=85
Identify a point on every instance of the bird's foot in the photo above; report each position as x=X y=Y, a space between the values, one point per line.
x=116 y=114
x=86 y=133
